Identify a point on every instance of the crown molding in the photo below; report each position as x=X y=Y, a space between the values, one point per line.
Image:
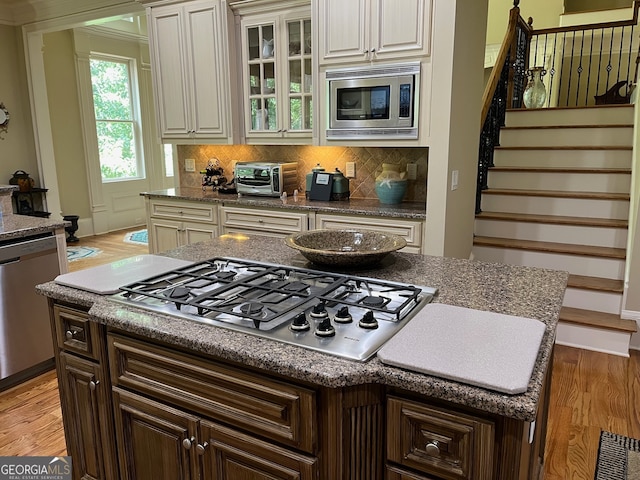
x=20 y=12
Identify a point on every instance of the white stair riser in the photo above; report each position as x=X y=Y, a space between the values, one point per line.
x=571 y=116
x=590 y=338
x=544 y=232
x=566 y=182
x=562 y=158
x=608 y=302
x=571 y=207
x=575 y=264
x=560 y=137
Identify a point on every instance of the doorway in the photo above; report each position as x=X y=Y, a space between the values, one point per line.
x=58 y=57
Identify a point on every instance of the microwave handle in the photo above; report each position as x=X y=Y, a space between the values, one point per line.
x=275 y=178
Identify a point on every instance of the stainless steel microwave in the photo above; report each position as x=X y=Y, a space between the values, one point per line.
x=266 y=178
x=380 y=101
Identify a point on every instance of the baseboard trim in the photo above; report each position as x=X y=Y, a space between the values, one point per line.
x=630 y=315
x=595 y=339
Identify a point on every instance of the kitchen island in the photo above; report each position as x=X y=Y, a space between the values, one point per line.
x=229 y=404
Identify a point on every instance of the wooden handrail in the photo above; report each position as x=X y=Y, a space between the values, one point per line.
x=593 y=26
x=492 y=84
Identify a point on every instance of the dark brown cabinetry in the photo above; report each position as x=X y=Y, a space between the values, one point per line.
x=180 y=414
x=439 y=441
x=85 y=394
x=179 y=437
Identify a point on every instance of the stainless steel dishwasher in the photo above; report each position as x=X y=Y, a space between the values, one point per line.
x=26 y=346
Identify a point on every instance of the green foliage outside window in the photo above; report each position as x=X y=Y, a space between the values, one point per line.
x=115 y=123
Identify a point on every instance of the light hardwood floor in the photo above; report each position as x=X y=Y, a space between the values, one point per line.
x=590 y=391
x=30 y=417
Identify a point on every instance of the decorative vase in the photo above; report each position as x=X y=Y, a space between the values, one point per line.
x=535 y=93
x=390 y=184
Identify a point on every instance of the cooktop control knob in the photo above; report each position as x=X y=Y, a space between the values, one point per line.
x=343 y=315
x=300 y=323
x=325 y=329
x=319 y=311
x=368 y=321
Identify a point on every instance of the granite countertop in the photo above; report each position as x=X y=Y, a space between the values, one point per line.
x=519 y=291
x=17 y=226
x=410 y=210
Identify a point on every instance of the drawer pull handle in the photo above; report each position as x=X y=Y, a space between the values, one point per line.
x=187 y=442
x=93 y=385
x=201 y=448
x=432 y=449
x=72 y=334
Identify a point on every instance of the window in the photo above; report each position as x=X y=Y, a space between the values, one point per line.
x=117 y=124
x=168 y=159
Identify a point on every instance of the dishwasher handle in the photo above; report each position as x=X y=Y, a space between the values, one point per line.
x=13 y=251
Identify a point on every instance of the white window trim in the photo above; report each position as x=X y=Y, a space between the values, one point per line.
x=136 y=113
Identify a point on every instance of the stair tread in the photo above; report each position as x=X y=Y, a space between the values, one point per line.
x=556 y=193
x=551 y=247
x=596 y=283
x=572 y=107
x=555 y=127
x=565 y=147
x=597 y=319
x=554 y=219
x=507 y=168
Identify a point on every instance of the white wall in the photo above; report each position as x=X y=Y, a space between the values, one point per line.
x=457 y=88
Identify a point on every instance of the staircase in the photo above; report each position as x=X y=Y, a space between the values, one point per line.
x=558 y=198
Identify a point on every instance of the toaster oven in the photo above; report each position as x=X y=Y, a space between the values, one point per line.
x=266 y=178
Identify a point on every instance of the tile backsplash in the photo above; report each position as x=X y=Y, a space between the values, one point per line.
x=368 y=162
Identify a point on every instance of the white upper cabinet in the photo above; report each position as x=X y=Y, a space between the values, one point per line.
x=188 y=48
x=277 y=74
x=371 y=30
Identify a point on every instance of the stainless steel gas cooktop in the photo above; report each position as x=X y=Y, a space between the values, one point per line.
x=338 y=314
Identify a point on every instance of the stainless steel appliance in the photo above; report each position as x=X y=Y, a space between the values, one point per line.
x=26 y=346
x=338 y=314
x=378 y=101
x=266 y=178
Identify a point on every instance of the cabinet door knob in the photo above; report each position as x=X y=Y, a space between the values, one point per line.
x=373 y=50
x=201 y=448
x=432 y=448
x=70 y=334
x=93 y=385
x=187 y=442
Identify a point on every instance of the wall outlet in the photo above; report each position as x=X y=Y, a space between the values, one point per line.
x=412 y=171
x=351 y=170
x=454 y=180
x=189 y=165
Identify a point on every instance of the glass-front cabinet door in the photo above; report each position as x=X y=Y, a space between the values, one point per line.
x=278 y=76
x=300 y=75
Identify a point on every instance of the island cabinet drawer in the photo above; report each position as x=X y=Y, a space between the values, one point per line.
x=438 y=441
x=262 y=221
x=410 y=230
x=198 y=211
x=75 y=333
x=255 y=403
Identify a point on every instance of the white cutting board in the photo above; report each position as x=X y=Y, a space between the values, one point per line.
x=107 y=279
x=484 y=349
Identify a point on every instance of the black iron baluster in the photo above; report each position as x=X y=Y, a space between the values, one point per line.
x=579 y=70
x=544 y=61
x=630 y=81
x=600 y=60
x=586 y=93
x=552 y=71
x=573 y=46
x=609 y=67
x=564 y=42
